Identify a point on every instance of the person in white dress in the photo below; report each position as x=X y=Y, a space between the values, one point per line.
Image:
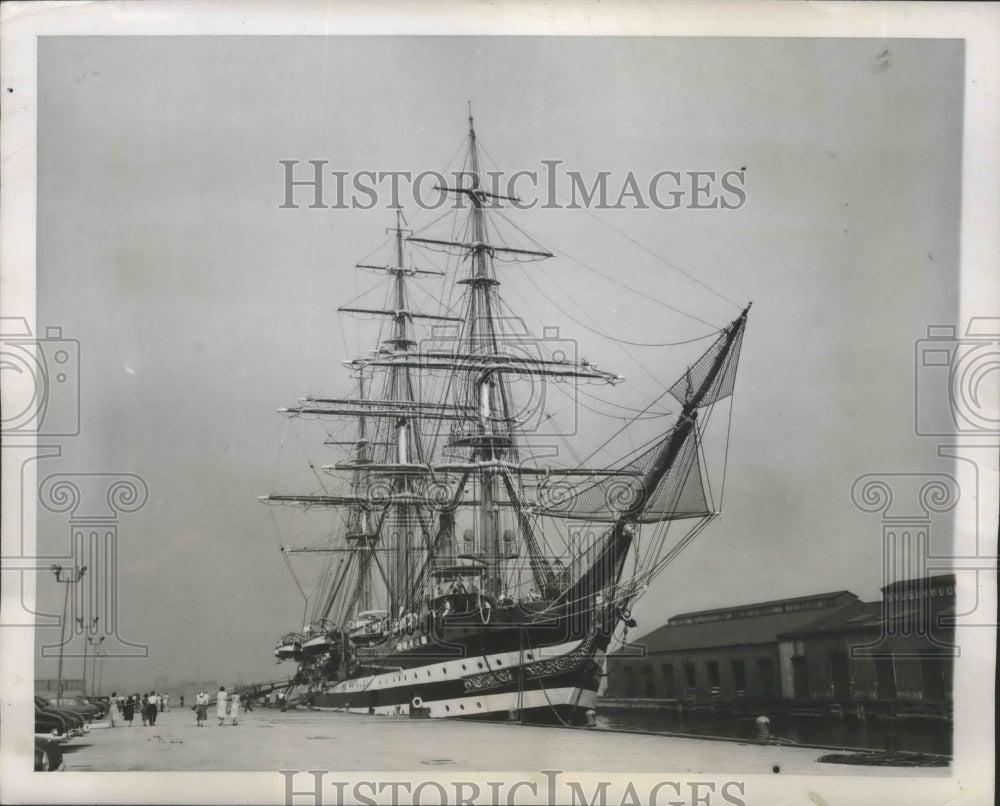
x=220 y=704
x=234 y=707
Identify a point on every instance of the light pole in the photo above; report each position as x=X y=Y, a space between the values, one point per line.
x=100 y=674
x=70 y=579
x=88 y=631
x=93 y=663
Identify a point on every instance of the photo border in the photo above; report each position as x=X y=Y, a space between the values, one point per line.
x=972 y=773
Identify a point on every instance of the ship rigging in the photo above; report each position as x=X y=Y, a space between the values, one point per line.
x=466 y=575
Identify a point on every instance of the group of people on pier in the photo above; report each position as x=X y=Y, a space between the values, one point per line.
x=225 y=705
x=148 y=705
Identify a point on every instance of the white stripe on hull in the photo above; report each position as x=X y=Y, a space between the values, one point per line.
x=452 y=669
x=480 y=704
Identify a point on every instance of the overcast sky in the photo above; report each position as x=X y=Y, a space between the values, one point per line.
x=201 y=306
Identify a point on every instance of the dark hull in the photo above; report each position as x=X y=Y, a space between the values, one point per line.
x=538 y=660
x=520 y=665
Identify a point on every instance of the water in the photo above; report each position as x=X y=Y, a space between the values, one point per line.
x=916 y=735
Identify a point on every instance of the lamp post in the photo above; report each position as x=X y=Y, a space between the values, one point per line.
x=93 y=665
x=69 y=579
x=88 y=632
x=100 y=673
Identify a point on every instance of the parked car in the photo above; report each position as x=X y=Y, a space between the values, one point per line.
x=48 y=755
x=51 y=726
x=77 y=724
x=77 y=705
x=100 y=703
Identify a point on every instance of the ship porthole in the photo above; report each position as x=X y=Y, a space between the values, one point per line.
x=480 y=665
x=462 y=707
x=463 y=667
x=479 y=705
x=447 y=708
x=499 y=662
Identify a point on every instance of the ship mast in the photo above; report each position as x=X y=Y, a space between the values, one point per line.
x=398 y=527
x=359 y=527
x=407 y=440
x=404 y=528
x=479 y=355
x=483 y=339
x=484 y=424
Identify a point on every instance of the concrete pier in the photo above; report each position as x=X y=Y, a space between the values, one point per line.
x=267 y=740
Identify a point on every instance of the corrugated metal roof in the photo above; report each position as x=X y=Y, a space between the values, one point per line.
x=857 y=615
x=772 y=603
x=763 y=629
x=920 y=583
x=868 y=615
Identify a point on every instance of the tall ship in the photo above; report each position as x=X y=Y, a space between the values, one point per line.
x=470 y=570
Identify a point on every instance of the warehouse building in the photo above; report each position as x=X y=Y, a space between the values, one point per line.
x=813 y=655
x=715 y=657
x=877 y=657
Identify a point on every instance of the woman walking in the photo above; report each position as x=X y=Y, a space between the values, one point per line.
x=234 y=707
x=201 y=706
x=220 y=704
x=128 y=710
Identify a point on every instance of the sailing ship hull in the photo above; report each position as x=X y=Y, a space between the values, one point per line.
x=540 y=675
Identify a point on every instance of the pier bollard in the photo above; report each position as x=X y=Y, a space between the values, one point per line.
x=763 y=728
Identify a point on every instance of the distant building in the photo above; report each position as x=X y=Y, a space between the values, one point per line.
x=729 y=655
x=871 y=657
x=816 y=654
x=48 y=687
